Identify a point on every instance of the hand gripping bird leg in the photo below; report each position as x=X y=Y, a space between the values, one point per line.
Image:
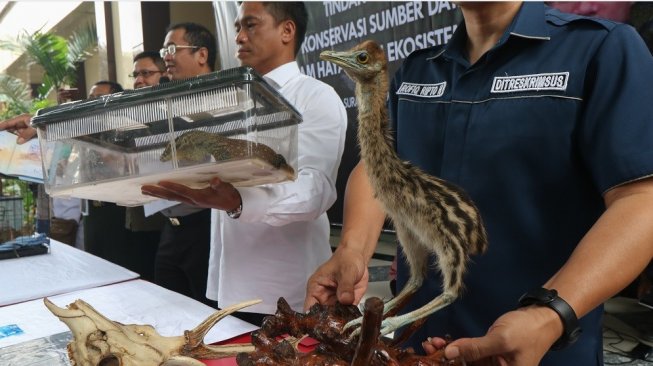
x=100 y=341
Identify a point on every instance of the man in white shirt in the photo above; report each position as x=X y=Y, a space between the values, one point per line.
x=267 y=240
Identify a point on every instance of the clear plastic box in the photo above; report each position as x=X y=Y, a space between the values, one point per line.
x=229 y=124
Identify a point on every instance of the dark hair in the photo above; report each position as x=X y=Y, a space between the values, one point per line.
x=198 y=35
x=290 y=10
x=154 y=56
x=113 y=86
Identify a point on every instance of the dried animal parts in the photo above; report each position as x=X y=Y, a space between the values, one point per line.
x=98 y=341
x=198 y=146
x=325 y=324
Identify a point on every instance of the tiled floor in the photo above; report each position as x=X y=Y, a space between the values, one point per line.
x=622 y=319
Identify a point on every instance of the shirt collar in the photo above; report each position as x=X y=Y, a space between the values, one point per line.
x=278 y=77
x=529 y=23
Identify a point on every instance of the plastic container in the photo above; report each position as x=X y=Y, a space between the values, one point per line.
x=229 y=124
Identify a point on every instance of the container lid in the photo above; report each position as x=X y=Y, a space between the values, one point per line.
x=132 y=98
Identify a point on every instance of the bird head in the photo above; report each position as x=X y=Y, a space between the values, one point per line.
x=361 y=63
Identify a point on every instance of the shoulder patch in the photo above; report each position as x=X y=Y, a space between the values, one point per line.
x=532 y=82
x=422 y=90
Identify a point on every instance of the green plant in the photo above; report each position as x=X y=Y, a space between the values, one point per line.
x=59 y=58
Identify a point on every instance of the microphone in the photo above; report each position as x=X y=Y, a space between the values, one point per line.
x=164 y=79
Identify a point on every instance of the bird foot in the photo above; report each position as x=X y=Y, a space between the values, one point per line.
x=391 y=324
x=351 y=324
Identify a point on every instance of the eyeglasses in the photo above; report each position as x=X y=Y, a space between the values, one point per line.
x=143 y=73
x=172 y=49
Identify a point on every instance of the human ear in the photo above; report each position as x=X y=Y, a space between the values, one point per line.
x=288 y=31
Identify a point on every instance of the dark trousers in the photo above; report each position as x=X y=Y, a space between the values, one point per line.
x=182 y=261
x=104 y=231
x=105 y=236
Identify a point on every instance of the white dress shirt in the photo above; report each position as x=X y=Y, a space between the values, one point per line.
x=282 y=235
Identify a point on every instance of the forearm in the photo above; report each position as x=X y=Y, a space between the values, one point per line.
x=308 y=197
x=613 y=253
x=363 y=215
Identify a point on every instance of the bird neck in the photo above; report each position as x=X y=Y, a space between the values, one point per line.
x=374 y=137
x=371 y=97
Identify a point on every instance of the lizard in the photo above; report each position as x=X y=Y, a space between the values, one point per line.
x=198 y=146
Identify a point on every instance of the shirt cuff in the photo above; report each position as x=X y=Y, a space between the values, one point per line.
x=255 y=204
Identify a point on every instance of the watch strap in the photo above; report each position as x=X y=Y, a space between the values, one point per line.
x=549 y=298
x=235 y=213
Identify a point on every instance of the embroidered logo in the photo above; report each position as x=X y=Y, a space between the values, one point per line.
x=519 y=83
x=423 y=90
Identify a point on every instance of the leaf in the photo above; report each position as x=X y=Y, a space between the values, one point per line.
x=56 y=55
x=15 y=92
x=81 y=44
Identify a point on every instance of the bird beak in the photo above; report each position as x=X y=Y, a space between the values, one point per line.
x=338 y=58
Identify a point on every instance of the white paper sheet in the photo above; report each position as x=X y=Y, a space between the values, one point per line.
x=132 y=302
x=151 y=208
x=63 y=270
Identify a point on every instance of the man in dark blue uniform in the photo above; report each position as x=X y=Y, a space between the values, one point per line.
x=544 y=118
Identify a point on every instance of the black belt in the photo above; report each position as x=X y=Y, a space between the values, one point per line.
x=204 y=215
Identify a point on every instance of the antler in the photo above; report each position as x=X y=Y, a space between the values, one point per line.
x=100 y=341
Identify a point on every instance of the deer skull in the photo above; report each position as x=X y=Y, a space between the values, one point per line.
x=98 y=341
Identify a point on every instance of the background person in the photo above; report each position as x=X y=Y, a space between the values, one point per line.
x=267 y=240
x=181 y=264
x=104 y=225
x=138 y=253
x=149 y=68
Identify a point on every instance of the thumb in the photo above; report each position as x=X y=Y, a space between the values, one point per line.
x=215 y=182
x=474 y=349
x=346 y=280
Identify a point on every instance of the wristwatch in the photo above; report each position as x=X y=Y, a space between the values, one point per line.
x=549 y=298
x=235 y=213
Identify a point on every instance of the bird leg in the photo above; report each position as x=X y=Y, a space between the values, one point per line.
x=391 y=324
x=406 y=293
x=393 y=306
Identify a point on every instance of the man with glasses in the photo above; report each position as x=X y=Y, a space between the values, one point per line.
x=188 y=50
x=139 y=252
x=149 y=68
x=181 y=263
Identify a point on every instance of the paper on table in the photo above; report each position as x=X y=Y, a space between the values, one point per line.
x=132 y=302
x=64 y=270
x=151 y=208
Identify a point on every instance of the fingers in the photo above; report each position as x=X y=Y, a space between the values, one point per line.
x=319 y=296
x=177 y=188
x=475 y=349
x=431 y=345
x=162 y=192
x=220 y=195
x=19 y=125
x=320 y=288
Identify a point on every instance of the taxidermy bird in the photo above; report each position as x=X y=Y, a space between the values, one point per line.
x=429 y=214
